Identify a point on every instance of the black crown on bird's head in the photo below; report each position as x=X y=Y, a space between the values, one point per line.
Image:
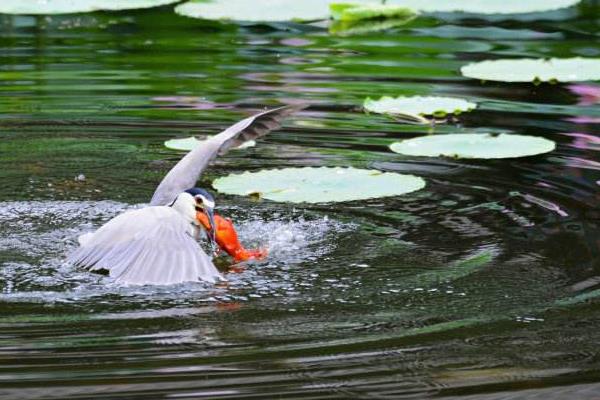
x=197 y=192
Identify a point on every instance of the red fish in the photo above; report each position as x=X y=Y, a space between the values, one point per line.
x=227 y=239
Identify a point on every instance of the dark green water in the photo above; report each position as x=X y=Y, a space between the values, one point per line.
x=481 y=286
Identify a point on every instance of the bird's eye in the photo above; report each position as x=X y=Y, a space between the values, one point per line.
x=199 y=204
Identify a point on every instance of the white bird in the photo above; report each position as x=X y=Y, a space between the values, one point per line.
x=158 y=244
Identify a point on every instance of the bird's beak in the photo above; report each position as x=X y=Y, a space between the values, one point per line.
x=212 y=234
x=206 y=218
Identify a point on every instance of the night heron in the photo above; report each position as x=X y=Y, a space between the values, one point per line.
x=158 y=244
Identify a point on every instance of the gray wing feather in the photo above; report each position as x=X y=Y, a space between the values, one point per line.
x=187 y=171
x=147 y=246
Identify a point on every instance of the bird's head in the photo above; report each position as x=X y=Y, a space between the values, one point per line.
x=197 y=205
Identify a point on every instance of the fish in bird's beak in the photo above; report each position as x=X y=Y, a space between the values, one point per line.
x=206 y=218
x=222 y=233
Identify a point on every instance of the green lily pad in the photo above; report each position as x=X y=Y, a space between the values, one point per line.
x=473 y=145
x=257 y=10
x=485 y=6
x=578 y=298
x=318 y=185
x=415 y=107
x=535 y=70
x=190 y=143
x=455 y=271
x=45 y=7
x=357 y=11
x=353 y=18
x=347 y=28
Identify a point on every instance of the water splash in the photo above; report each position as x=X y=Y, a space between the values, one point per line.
x=36 y=236
x=291 y=240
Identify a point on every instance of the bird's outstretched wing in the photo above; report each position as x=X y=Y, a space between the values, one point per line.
x=150 y=246
x=187 y=171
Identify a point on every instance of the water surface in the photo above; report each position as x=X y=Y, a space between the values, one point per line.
x=480 y=286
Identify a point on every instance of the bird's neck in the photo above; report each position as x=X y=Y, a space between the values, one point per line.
x=185 y=207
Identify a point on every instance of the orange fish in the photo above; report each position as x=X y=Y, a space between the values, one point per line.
x=227 y=239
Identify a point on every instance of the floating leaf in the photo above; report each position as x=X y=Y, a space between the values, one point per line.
x=319 y=185
x=43 y=7
x=312 y=10
x=457 y=270
x=346 y=28
x=257 y=10
x=578 y=298
x=357 y=11
x=535 y=70
x=191 y=143
x=485 y=6
x=352 y=18
x=417 y=106
x=472 y=145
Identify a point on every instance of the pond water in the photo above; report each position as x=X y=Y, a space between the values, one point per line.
x=480 y=286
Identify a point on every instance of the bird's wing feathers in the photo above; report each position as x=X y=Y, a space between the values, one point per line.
x=187 y=171
x=147 y=246
x=153 y=245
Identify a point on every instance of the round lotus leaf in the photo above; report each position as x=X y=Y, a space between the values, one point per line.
x=190 y=143
x=257 y=10
x=359 y=11
x=485 y=6
x=46 y=7
x=318 y=185
x=416 y=106
x=474 y=145
x=535 y=70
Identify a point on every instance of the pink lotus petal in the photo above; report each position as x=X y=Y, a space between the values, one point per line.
x=588 y=94
x=584 y=120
